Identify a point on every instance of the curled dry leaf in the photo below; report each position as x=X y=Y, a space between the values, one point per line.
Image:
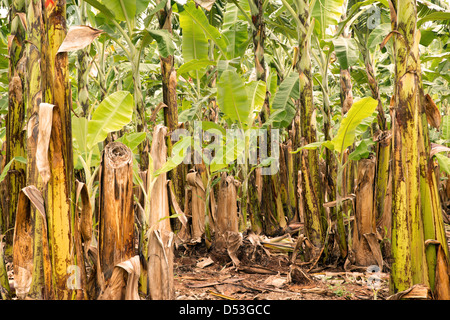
x=183 y=234
x=23 y=238
x=416 y=292
x=86 y=211
x=45 y=130
x=180 y=213
x=133 y=267
x=233 y=241
x=194 y=180
x=436 y=148
x=159 y=204
x=79 y=37
x=23 y=19
x=204 y=263
x=10 y=41
x=123 y=287
x=432 y=112
x=205 y=4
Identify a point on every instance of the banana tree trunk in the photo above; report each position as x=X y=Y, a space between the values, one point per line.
x=437 y=256
x=227 y=215
x=59 y=191
x=169 y=86
x=408 y=252
x=271 y=204
x=116 y=213
x=383 y=141
x=15 y=135
x=346 y=96
x=365 y=243
x=160 y=235
x=31 y=263
x=310 y=180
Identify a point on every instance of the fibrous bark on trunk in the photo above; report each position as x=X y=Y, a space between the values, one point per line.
x=116 y=214
x=160 y=235
x=227 y=215
x=365 y=243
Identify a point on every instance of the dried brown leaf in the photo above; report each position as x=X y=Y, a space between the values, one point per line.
x=417 y=291
x=23 y=19
x=436 y=148
x=205 y=4
x=173 y=198
x=159 y=204
x=86 y=211
x=23 y=238
x=432 y=112
x=133 y=267
x=78 y=37
x=45 y=130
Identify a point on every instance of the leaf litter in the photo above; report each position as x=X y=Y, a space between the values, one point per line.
x=266 y=272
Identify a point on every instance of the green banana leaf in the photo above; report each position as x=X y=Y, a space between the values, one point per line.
x=256 y=91
x=132 y=140
x=164 y=40
x=347 y=51
x=199 y=19
x=123 y=10
x=326 y=13
x=360 y=110
x=232 y=97
x=194 y=65
x=194 y=43
x=112 y=114
x=283 y=104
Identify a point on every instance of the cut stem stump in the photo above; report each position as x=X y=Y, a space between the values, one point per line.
x=116 y=215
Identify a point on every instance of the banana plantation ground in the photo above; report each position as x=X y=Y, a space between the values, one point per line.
x=224 y=150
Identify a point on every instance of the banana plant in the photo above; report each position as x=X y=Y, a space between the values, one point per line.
x=240 y=103
x=123 y=15
x=345 y=137
x=111 y=115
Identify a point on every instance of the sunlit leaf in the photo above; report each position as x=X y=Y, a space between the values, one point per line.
x=112 y=114
x=347 y=129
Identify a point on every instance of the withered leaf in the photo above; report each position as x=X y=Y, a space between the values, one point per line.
x=45 y=129
x=432 y=112
x=436 y=148
x=79 y=37
x=205 y=4
x=86 y=211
